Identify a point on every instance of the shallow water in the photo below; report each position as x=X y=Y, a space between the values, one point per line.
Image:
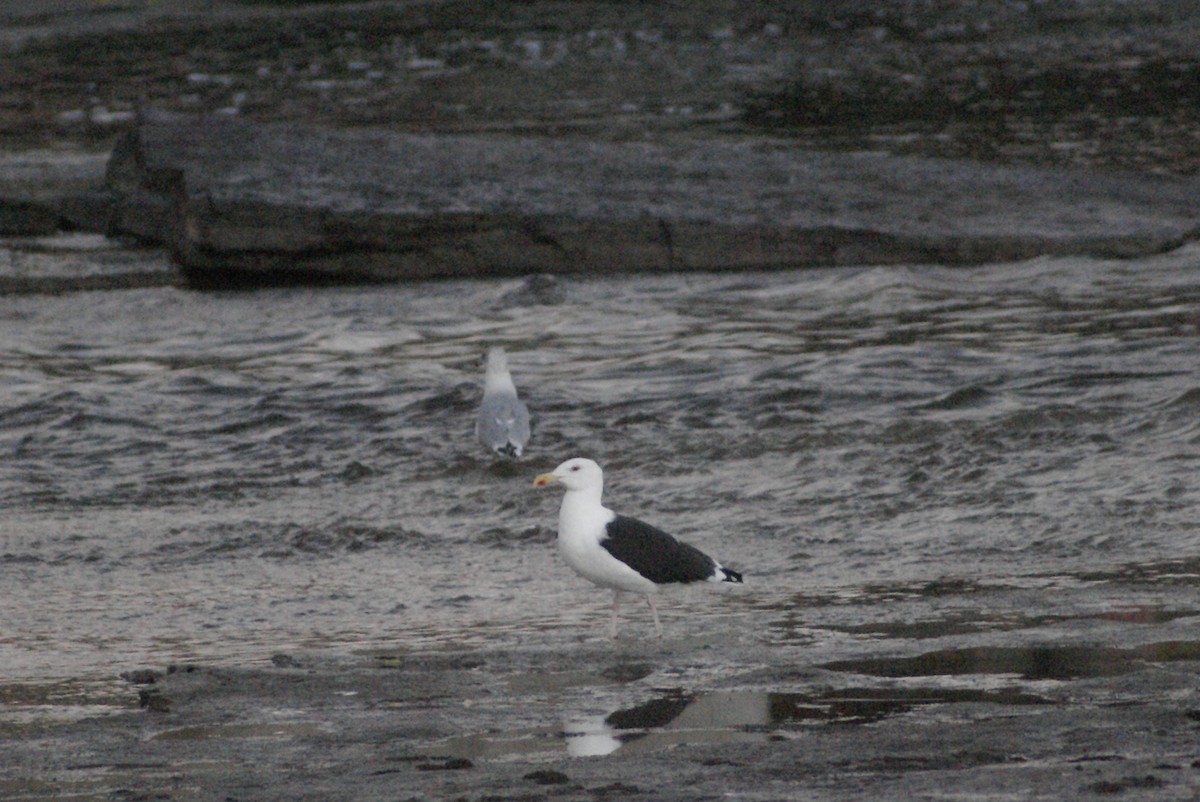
x=678 y=718
x=222 y=477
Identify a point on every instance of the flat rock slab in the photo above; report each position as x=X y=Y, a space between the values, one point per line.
x=44 y=191
x=246 y=203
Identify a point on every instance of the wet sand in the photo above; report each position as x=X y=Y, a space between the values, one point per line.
x=808 y=703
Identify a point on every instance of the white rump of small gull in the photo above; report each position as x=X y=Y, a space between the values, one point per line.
x=503 y=422
x=618 y=552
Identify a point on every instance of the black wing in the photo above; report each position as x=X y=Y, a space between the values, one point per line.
x=654 y=554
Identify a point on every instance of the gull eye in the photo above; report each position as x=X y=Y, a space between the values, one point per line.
x=574 y=467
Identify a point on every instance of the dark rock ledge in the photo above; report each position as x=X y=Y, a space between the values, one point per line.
x=242 y=203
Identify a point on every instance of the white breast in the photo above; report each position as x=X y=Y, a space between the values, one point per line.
x=580 y=531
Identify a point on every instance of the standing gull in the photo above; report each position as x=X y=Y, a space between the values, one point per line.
x=503 y=422
x=618 y=552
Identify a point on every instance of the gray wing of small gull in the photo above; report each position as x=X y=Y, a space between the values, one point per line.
x=503 y=424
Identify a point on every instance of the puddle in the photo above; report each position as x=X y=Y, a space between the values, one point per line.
x=679 y=718
x=919 y=624
x=26 y=707
x=966 y=623
x=1182 y=571
x=1028 y=662
x=551 y=682
x=222 y=731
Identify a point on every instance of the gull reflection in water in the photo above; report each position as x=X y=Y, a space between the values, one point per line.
x=673 y=719
x=678 y=718
x=590 y=736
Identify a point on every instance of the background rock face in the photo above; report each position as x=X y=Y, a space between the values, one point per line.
x=1098 y=83
x=246 y=203
x=322 y=142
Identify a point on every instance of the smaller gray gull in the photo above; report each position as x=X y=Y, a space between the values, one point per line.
x=503 y=422
x=618 y=552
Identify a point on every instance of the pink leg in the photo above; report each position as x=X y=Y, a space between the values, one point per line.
x=612 y=627
x=654 y=611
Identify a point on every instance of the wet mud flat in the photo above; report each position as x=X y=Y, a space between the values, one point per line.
x=924 y=701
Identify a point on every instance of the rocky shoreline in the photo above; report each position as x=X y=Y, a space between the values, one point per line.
x=252 y=204
x=241 y=204
x=327 y=142
x=381 y=142
x=1100 y=83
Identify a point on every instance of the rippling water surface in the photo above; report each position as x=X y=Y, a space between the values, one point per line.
x=226 y=476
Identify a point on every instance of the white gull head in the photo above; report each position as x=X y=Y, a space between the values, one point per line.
x=575 y=474
x=496 y=378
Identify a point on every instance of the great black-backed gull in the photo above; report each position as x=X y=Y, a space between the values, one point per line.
x=503 y=422
x=618 y=552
